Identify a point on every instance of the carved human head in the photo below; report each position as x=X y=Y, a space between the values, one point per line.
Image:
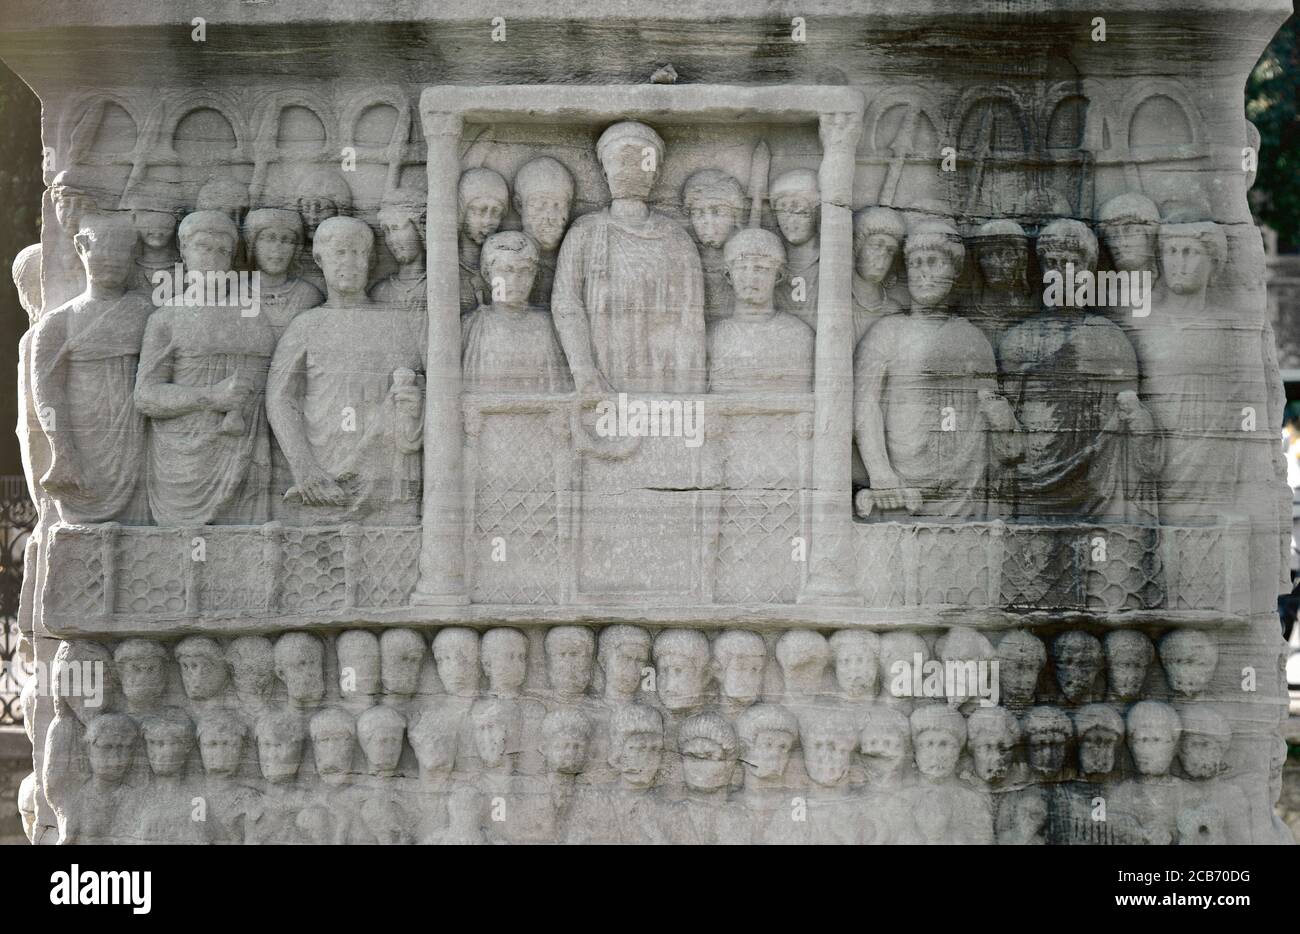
x=490 y=720
x=565 y=734
x=504 y=652
x=991 y=735
x=168 y=740
x=1128 y=224
x=714 y=202
x=401 y=654
x=1099 y=730
x=221 y=743
x=27 y=279
x=106 y=245
x=401 y=219
x=856 y=654
x=1129 y=654
x=27 y=805
x=508 y=264
x=142 y=668
x=333 y=736
x=273 y=237
x=1206 y=737
x=1048 y=732
x=767 y=733
x=900 y=653
x=252 y=666
x=225 y=195
x=483 y=198
x=623 y=652
x=1021 y=657
x=885 y=738
x=83 y=681
x=740 y=659
x=344 y=248
x=110 y=746
x=938 y=735
x=797 y=202
x=708 y=746
x=681 y=659
x=358 y=654
x=279 y=746
x=1189 y=657
x=153 y=218
x=969 y=654
x=1002 y=251
x=569 y=652
x=934 y=254
x=72 y=201
x=828 y=739
x=435 y=735
x=636 y=744
x=543 y=199
x=208 y=240
x=1078 y=657
x=381 y=731
x=755 y=262
x=631 y=155
x=878 y=235
x=455 y=652
x=1066 y=242
x=1191 y=253
x=323 y=194
x=1153 y=729
x=803 y=656
x=203 y=667
x=299 y=659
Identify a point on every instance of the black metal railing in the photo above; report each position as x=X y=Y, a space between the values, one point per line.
x=17 y=519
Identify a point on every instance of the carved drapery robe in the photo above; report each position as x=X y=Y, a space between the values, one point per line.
x=203 y=468
x=788 y=289
x=84 y=373
x=769 y=354
x=332 y=385
x=512 y=351
x=408 y=294
x=640 y=288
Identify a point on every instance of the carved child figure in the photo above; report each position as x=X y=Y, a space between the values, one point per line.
x=714 y=202
x=543 y=199
x=484 y=199
x=345 y=396
x=84 y=364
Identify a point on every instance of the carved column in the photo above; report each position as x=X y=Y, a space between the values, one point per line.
x=442 y=547
x=831 y=553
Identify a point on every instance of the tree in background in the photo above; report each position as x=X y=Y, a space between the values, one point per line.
x=1273 y=105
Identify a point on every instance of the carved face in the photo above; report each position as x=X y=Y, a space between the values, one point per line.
x=506 y=665
x=631 y=168
x=1132 y=244
x=107 y=259
x=155 y=228
x=566 y=754
x=345 y=263
x=70 y=207
x=1185 y=264
x=203 y=251
x=458 y=668
x=856 y=669
x=754 y=278
x=623 y=666
x=796 y=215
x=682 y=677
x=886 y=748
x=358 y=668
x=1056 y=258
x=705 y=765
x=252 y=676
x=315 y=210
x=1189 y=668
x=930 y=277
x=826 y=756
x=544 y=217
x=1004 y=265
x=991 y=754
x=713 y=221
x=1046 y=752
x=1202 y=755
x=274 y=249
x=1152 y=748
x=1126 y=672
x=143 y=679
x=110 y=757
x=221 y=754
x=300 y=670
x=639 y=759
x=490 y=742
x=403 y=241
x=333 y=752
x=1097 y=752
x=483 y=218
x=769 y=754
x=279 y=759
x=510 y=277
x=1077 y=667
x=742 y=678
x=167 y=753
x=435 y=750
x=873 y=256
x=401 y=661
x=202 y=675
x=568 y=665
x=936 y=753
x=383 y=747
x=1018 y=678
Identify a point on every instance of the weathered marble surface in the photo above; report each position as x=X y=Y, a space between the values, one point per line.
x=381 y=560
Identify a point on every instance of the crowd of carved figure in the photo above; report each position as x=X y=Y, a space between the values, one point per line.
x=972 y=397
x=621 y=735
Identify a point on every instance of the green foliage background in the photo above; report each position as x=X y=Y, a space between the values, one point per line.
x=1273 y=105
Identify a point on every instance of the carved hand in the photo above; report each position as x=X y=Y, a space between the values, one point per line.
x=317 y=488
x=1133 y=415
x=62 y=477
x=231 y=393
